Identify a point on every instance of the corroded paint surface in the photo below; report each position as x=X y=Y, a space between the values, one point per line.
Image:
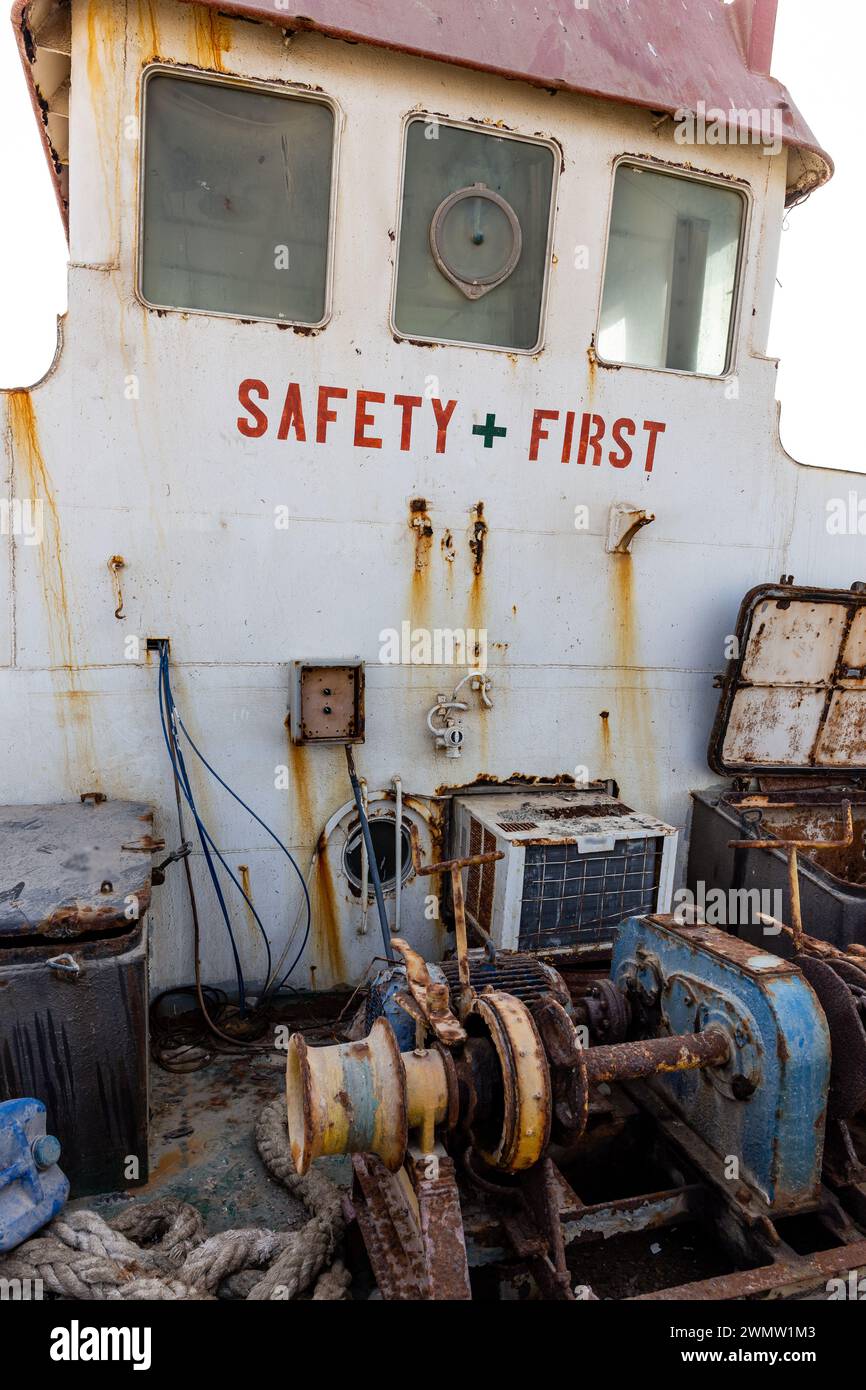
x=132 y=443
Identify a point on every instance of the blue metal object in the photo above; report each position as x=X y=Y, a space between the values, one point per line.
x=766 y=1106
x=382 y=1002
x=32 y=1187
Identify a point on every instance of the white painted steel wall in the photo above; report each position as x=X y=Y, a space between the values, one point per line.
x=168 y=482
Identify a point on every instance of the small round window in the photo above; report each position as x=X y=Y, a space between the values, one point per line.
x=476 y=239
x=382 y=833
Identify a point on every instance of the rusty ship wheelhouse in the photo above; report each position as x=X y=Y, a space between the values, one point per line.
x=409 y=445
x=388 y=448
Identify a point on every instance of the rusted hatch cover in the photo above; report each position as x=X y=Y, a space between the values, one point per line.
x=73 y=868
x=794 y=694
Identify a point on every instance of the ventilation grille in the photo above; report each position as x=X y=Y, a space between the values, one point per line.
x=481 y=878
x=570 y=898
x=512 y=825
x=523 y=976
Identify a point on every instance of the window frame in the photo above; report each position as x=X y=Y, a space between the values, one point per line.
x=479 y=127
x=250 y=84
x=739 y=186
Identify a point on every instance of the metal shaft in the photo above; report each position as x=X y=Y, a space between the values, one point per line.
x=454 y=867
x=465 y=1000
x=630 y=1061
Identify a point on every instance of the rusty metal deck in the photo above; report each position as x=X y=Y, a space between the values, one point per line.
x=203 y=1147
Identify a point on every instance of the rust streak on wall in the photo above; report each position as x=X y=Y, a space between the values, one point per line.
x=326 y=922
x=244 y=875
x=326 y=942
x=592 y=373
x=299 y=791
x=422 y=530
x=28 y=452
x=106 y=38
x=72 y=702
x=150 y=46
x=478 y=531
x=604 y=744
x=623 y=607
x=212 y=37
x=634 y=756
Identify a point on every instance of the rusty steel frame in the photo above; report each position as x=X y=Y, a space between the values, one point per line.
x=412 y=1227
x=534 y=1222
x=789 y=1278
x=651 y=1211
x=737 y=1219
x=455 y=867
x=789 y=848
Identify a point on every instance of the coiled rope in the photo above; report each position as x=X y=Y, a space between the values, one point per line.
x=158 y=1249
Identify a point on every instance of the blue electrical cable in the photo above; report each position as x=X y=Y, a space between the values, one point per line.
x=167 y=706
x=175 y=720
x=286 y=851
x=183 y=777
x=180 y=772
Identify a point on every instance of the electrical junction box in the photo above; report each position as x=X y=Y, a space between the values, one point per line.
x=576 y=864
x=326 y=702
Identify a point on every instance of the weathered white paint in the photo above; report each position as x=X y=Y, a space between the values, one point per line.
x=168 y=482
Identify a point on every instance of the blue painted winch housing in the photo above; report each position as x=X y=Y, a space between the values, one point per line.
x=32 y=1187
x=766 y=1106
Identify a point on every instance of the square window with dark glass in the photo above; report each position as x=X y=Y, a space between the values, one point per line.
x=236 y=199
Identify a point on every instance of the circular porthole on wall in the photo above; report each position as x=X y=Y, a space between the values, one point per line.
x=382 y=833
x=475 y=239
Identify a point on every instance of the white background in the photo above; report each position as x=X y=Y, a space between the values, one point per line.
x=819 y=297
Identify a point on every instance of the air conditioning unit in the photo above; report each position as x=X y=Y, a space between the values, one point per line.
x=576 y=864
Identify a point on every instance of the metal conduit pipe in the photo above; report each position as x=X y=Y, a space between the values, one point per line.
x=397 y=784
x=371 y=854
x=365 y=864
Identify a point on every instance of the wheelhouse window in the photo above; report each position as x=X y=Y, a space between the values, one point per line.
x=474 y=241
x=672 y=268
x=237 y=187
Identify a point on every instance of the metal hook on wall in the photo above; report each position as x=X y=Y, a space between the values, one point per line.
x=115 y=565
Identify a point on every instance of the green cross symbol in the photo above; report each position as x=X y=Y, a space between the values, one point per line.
x=489 y=430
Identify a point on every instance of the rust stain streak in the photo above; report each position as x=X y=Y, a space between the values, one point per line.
x=102 y=45
x=73 y=712
x=307 y=829
x=422 y=529
x=606 y=752
x=478 y=530
x=27 y=450
x=635 y=751
x=213 y=37
x=477 y=538
x=325 y=949
x=244 y=875
x=592 y=373
x=148 y=14
x=326 y=922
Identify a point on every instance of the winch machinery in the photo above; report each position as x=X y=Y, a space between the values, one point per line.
x=723 y=1043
